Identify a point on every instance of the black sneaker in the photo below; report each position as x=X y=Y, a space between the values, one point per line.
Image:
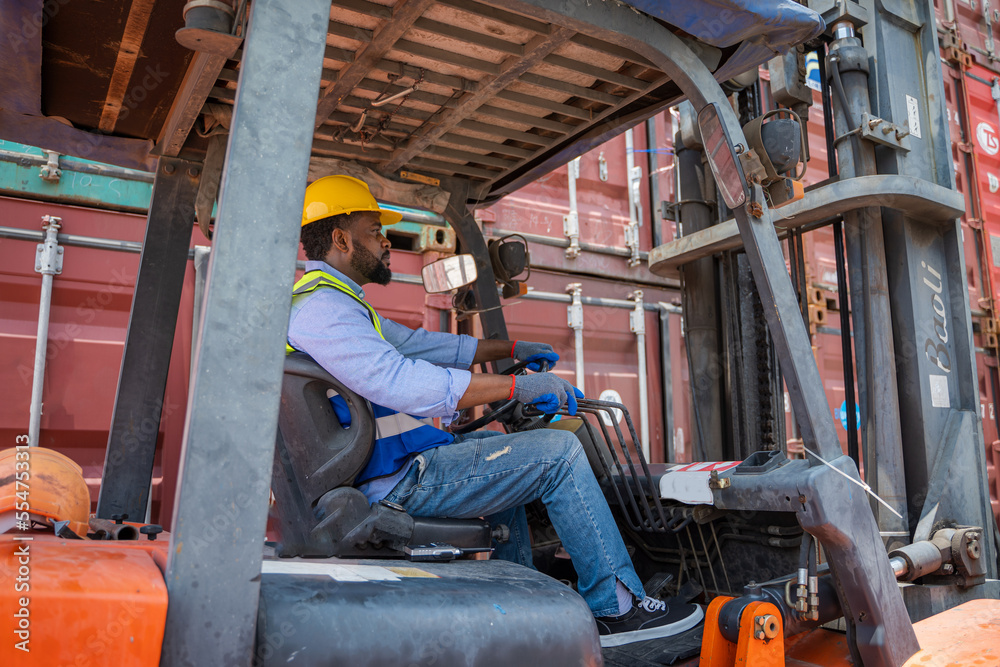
x=648 y=619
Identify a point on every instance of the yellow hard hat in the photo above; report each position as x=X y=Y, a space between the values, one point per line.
x=336 y=195
x=58 y=490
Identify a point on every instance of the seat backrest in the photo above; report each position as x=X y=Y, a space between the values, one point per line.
x=318 y=453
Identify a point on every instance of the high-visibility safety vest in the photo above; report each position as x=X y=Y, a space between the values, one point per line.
x=397 y=435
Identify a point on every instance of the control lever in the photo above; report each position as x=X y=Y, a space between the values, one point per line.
x=501 y=533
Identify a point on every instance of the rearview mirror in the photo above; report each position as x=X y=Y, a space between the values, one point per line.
x=719 y=151
x=449 y=273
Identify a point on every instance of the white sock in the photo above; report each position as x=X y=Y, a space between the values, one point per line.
x=625 y=598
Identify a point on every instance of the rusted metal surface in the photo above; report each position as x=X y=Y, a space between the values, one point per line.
x=199 y=79
x=442 y=87
x=371 y=52
x=128 y=53
x=77 y=75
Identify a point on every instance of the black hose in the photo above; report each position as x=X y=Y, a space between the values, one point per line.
x=805 y=548
x=845 y=345
x=838 y=88
x=813 y=561
x=853 y=449
x=831 y=160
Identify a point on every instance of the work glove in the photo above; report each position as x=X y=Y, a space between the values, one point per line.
x=546 y=391
x=534 y=352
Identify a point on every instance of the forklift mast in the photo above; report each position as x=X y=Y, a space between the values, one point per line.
x=894 y=193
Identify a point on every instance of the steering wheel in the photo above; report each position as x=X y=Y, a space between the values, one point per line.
x=507 y=406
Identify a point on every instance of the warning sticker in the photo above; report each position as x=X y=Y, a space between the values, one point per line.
x=939 y=391
x=342 y=571
x=913 y=116
x=689 y=483
x=413 y=572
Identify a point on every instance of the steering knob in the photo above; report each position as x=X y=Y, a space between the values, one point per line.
x=501 y=533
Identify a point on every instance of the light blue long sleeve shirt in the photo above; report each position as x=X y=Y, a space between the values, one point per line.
x=419 y=372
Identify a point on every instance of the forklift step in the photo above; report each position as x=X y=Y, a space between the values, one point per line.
x=656 y=652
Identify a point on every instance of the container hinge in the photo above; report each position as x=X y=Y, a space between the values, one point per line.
x=436 y=239
x=602 y=167
x=571 y=228
x=49 y=254
x=637 y=318
x=632 y=241
x=571 y=221
x=574 y=311
x=635 y=183
x=50 y=170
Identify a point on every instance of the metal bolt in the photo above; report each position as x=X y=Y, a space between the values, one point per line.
x=972 y=548
x=887 y=129
x=873 y=123
x=151 y=531
x=168 y=168
x=193 y=172
x=768 y=626
x=947 y=568
x=739 y=148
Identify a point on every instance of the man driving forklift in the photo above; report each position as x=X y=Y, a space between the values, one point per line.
x=411 y=377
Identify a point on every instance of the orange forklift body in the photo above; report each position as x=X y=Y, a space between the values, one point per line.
x=89 y=603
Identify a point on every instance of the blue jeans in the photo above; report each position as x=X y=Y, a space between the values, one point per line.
x=488 y=474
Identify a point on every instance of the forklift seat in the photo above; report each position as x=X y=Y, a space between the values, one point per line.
x=316 y=461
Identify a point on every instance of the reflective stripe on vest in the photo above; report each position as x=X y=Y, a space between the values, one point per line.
x=310 y=283
x=398 y=435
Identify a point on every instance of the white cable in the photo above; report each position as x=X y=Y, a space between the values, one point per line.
x=851 y=479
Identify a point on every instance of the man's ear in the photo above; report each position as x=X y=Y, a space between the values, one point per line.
x=342 y=240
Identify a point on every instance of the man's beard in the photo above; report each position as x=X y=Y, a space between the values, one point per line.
x=369 y=266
